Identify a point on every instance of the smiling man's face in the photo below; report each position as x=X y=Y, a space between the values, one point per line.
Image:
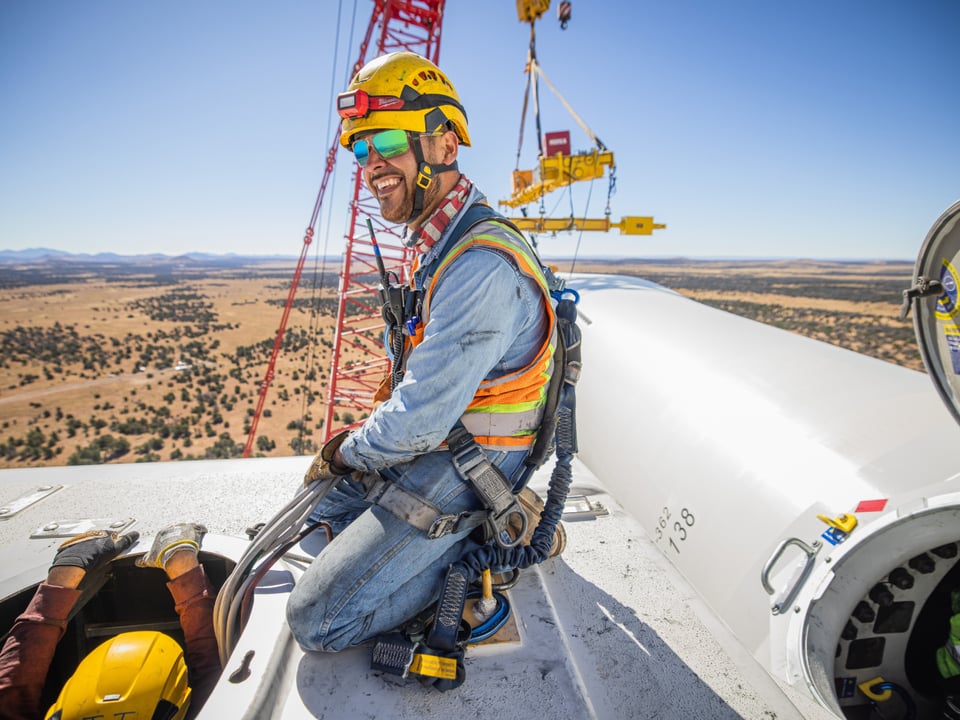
x=393 y=181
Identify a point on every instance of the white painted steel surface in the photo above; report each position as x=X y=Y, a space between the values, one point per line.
x=726 y=437
x=607 y=629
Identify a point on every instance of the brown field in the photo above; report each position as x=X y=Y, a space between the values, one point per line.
x=40 y=393
x=853 y=305
x=93 y=353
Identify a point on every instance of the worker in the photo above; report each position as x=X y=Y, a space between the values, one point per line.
x=478 y=331
x=153 y=676
x=948 y=661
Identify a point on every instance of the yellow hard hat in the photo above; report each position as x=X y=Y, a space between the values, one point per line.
x=400 y=90
x=138 y=674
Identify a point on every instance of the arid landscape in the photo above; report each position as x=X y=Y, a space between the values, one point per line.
x=855 y=305
x=160 y=359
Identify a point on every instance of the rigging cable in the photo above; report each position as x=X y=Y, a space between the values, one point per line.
x=534 y=71
x=570 y=110
x=526 y=99
x=576 y=251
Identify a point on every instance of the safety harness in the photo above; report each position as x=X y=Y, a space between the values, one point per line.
x=436 y=654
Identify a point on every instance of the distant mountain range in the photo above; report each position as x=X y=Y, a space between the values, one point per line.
x=48 y=255
x=51 y=257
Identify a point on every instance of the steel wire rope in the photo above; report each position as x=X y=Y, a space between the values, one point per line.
x=592 y=135
x=553 y=210
x=526 y=98
x=576 y=250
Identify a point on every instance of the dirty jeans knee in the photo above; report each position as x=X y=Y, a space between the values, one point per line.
x=380 y=572
x=325 y=620
x=301 y=614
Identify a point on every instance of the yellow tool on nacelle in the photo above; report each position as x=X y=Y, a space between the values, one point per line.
x=844 y=523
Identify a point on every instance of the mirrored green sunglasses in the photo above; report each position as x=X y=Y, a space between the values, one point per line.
x=388 y=144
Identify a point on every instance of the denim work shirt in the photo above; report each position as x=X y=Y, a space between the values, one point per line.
x=487 y=319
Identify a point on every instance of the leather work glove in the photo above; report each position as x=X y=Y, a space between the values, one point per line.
x=93 y=549
x=175 y=537
x=532 y=506
x=323 y=467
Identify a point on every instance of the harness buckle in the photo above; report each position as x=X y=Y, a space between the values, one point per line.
x=445 y=524
x=467 y=458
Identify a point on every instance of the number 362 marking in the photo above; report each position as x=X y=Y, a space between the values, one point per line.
x=674 y=528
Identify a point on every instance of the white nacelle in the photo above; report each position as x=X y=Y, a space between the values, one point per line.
x=727 y=438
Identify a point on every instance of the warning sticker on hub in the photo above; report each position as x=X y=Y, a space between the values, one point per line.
x=951 y=334
x=947 y=305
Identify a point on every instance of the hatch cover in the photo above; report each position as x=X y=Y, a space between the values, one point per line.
x=936 y=316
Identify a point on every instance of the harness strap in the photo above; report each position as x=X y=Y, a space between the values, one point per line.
x=443 y=634
x=416 y=510
x=396 y=654
x=489 y=483
x=485 y=479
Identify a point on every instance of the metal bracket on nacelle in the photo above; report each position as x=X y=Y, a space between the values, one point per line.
x=799 y=576
x=69 y=528
x=11 y=508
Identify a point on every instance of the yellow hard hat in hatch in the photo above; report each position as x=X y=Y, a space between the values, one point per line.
x=404 y=91
x=135 y=674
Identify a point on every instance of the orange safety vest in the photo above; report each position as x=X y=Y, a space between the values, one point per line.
x=506 y=411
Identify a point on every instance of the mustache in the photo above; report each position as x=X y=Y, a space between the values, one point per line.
x=381 y=176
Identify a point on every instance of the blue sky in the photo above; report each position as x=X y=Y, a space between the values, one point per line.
x=821 y=129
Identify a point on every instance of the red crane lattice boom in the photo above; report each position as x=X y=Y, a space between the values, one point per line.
x=357 y=363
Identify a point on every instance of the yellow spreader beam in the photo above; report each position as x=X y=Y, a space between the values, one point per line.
x=630 y=225
x=555 y=172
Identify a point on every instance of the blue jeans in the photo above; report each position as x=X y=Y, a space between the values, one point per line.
x=380 y=571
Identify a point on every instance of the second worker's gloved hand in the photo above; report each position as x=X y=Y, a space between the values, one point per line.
x=169 y=540
x=323 y=466
x=93 y=549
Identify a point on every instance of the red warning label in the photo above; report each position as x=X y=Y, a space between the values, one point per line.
x=871 y=506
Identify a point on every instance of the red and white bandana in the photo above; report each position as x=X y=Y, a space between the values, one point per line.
x=430 y=231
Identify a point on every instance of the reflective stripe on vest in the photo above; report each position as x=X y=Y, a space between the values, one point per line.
x=505 y=411
x=954 y=651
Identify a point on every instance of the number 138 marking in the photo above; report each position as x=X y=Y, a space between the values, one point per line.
x=677 y=531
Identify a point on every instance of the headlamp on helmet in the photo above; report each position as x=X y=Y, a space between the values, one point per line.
x=359 y=104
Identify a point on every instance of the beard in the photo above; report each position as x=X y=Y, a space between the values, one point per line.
x=397 y=206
